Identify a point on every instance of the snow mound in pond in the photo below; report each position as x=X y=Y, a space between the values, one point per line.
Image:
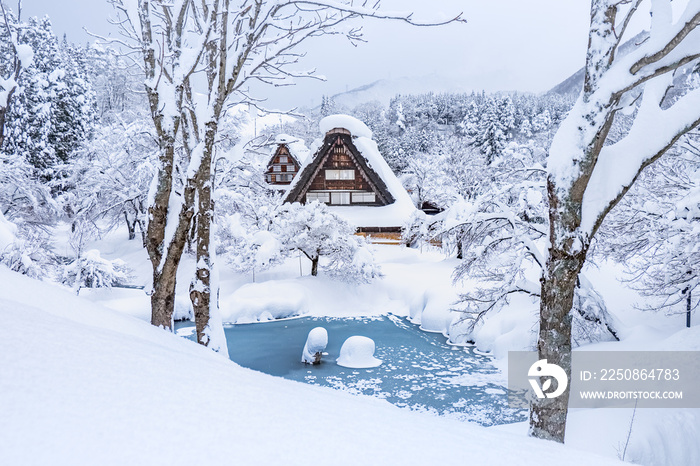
x=358 y=353
x=259 y=302
x=355 y=126
x=315 y=343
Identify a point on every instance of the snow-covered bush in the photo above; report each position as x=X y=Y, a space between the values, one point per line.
x=243 y=230
x=246 y=249
x=30 y=256
x=92 y=271
x=353 y=262
x=25 y=250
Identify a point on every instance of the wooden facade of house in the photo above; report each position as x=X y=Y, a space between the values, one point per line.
x=339 y=175
x=282 y=167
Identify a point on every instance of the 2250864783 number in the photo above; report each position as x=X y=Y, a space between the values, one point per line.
x=639 y=374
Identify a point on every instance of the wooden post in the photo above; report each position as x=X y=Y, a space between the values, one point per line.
x=687 y=309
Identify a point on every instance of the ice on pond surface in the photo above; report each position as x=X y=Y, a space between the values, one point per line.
x=315 y=344
x=420 y=371
x=358 y=353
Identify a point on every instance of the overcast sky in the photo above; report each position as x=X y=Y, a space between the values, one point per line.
x=527 y=45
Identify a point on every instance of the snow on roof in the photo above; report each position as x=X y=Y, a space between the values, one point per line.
x=392 y=215
x=285 y=139
x=297 y=147
x=355 y=126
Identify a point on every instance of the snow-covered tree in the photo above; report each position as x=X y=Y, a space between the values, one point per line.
x=587 y=177
x=317 y=232
x=15 y=56
x=109 y=176
x=74 y=110
x=54 y=109
x=246 y=228
x=117 y=83
x=654 y=231
x=494 y=128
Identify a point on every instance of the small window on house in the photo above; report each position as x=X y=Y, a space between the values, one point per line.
x=277 y=168
x=270 y=178
x=340 y=174
x=283 y=159
x=288 y=177
x=363 y=198
x=290 y=168
x=340 y=198
x=320 y=197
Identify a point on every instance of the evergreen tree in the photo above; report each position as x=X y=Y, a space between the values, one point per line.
x=73 y=106
x=55 y=110
x=494 y=129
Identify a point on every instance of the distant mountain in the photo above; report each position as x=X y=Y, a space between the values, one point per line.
x=384 y=90
x=572 y=85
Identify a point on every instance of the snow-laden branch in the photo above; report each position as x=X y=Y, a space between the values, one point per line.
x=619 y=164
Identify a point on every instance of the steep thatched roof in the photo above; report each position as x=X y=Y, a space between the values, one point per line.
x=336 y=136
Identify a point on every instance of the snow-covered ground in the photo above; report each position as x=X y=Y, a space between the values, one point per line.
x=82 y=384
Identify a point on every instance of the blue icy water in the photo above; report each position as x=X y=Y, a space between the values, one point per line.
x=420 y=370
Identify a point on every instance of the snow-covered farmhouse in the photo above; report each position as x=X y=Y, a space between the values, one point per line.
x=285 y=161
x=349 y=174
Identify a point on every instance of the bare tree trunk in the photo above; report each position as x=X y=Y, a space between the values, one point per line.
x=200 y=288
x=165 y=253
x=143 y=233
x=3 y=115
x=131 y=226
x=548 y=415
x=314 y=266
x=165 y=271
x=163 y=297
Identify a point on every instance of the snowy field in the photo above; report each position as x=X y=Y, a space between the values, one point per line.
x=85 y=384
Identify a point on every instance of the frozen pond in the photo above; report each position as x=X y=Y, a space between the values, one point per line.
x=420 y=371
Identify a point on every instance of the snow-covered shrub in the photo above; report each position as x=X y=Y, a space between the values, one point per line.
x=243 y=230
x=247 y=249
x=92 y=271
x=25 y=250
x=30 y=256
x=8 y=232
x=353 y=262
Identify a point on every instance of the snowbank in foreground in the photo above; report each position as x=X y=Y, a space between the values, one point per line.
x=84 y=385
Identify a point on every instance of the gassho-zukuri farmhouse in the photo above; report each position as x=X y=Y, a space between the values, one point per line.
x=347 y=173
